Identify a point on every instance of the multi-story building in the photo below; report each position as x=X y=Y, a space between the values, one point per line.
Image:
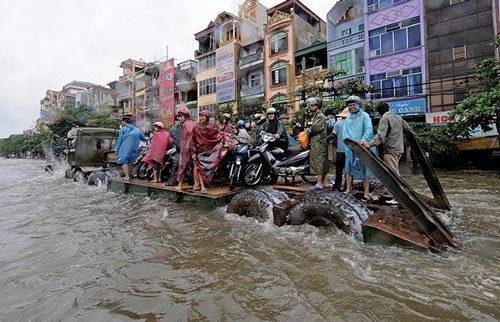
x=98 y=97
x=126 y=86
x=459 y=34
x=185 y=85
x=56 y=100
x=346 y=39
x=291 y=27
x=395 y=55
x=251 y=58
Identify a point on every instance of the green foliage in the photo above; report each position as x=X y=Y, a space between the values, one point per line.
x=20 y=144
x=82 y=116
x=436 y=140
x=246 y=110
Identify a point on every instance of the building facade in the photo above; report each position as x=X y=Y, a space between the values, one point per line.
x=290 y=27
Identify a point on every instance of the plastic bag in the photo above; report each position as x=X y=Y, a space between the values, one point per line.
x=303 y=138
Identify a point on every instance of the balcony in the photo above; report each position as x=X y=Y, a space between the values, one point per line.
x=252 y=91
x=355 y=38
x=251 y=60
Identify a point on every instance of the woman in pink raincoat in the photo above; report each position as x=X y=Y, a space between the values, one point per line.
x=156 y=154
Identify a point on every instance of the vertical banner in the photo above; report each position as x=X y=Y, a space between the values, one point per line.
x=166 y=86
x=226 y=79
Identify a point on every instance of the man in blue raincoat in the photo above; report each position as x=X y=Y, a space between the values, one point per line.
x=127 y=145
x=357 y=127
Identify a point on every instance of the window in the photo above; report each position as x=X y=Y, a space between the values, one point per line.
x=255 y=79
x=278 y=42
x=280 y=103
x=278 y=74
x=452 y=2
x=459 y=53
x=343 y=61
x=401 y=83
x=346 y=32
x=395 y=37
x=207 y=62
x=212 y=108
x=207 y=86
x=374 y=5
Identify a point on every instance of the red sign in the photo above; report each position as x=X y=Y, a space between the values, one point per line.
x=166 y=88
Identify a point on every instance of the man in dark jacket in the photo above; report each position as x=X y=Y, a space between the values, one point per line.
x=390 y=135
x=274 y=126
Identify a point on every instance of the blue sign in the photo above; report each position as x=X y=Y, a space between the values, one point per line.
x=410 y=107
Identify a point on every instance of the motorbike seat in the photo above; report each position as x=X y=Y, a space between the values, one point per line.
x=293 y=151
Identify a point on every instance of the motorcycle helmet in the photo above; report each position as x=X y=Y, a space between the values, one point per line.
x=314 y=101
x=183 y=110
x=240 y=124
x=354 y=99
x=226 y=115
x=271 y=110
x=205 y=113
x=159 y=124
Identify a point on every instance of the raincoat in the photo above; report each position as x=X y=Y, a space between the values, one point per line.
x=358 y=126
x=185 y=144
x=159 y=144
x=318 y=159
x=127 y=143
x=207 y=144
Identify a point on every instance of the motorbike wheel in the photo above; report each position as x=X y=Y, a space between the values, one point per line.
x=143 y=171
x=135 y=170
x=252 y=175
x=79 y=176
x=309 y=178
x=233 y=174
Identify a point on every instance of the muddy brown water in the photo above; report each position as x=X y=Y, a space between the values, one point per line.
x=70 y=252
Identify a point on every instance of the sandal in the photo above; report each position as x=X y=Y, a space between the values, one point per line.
x=366 y=199
x=316 y=188
x=204 y=190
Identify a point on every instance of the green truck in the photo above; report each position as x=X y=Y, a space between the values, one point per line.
x=90 y=154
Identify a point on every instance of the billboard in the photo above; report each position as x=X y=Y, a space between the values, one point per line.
x=409 y=107
x=166 y=88
x=225 y=74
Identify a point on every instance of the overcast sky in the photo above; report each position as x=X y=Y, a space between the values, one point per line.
x=47 y=44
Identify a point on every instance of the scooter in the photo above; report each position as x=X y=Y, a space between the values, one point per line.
x=270 y=162
x=237 y=157
x=141 y=171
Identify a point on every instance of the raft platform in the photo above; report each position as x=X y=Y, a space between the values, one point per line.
x=216 y=196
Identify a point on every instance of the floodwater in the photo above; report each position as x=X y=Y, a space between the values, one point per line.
x=70 y=252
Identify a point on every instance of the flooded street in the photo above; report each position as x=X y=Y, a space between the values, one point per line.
x=71 y=252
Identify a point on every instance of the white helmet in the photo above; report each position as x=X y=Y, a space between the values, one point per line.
x=354 y=99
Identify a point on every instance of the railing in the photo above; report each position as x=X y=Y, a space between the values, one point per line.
x=251 y=59
x=346 y=40
x=249 y=91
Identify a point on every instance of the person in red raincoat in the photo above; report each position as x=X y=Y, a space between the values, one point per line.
x=227 y=126
x=185 y=144
x=206 y=151
x=156 y=154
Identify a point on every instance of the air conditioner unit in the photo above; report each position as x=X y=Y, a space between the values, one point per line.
x=361 y=70
x=396 y=73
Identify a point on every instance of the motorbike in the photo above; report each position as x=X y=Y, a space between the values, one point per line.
x=236 y=159
x=141 y=171
x=269 y=162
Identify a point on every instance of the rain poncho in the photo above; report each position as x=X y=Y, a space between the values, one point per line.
x=357 y=126
x=207 y=144
x=159 y=145
x=185 y=144
x=318 y=159
x=127 y=143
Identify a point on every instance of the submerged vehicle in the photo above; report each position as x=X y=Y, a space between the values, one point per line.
x=416 y=220
x=90 y=154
